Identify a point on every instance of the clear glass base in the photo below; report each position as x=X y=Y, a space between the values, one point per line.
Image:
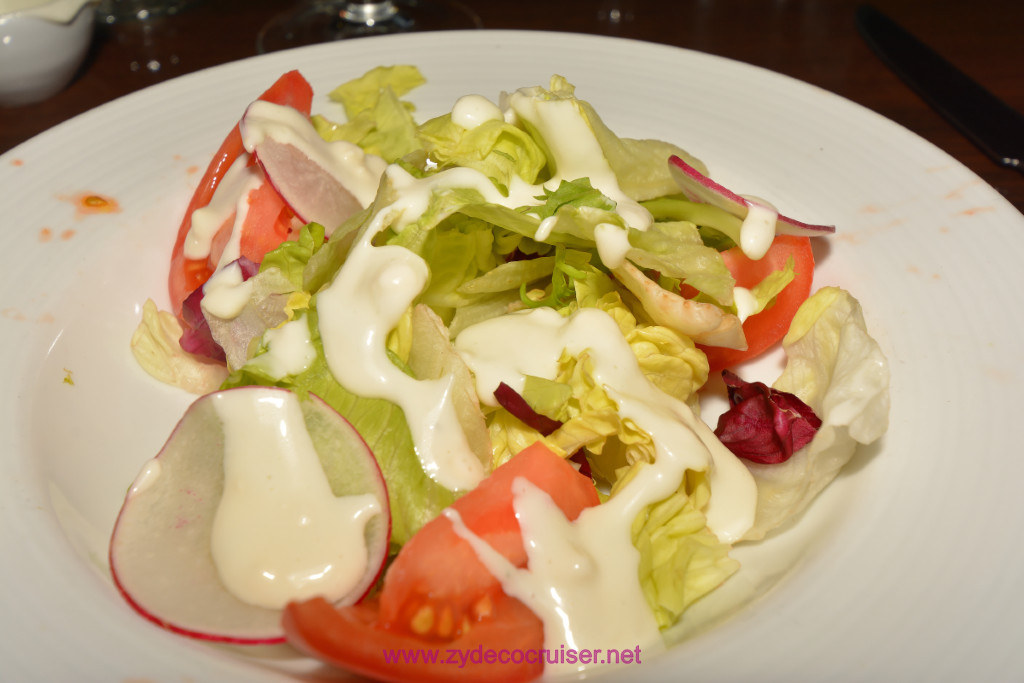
x=118 y=11
x=322 y=21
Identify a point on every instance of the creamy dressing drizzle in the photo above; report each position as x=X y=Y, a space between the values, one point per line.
x=472 y=110
x=226 y=293
x=583 y=588
x=758 y=228
x=746 y=303
x=368 y=297
x=545 y=228
x=357 y=310
x=147 y=477
x=582 y=577
x=612 y=244
x=576 y=151
x=357 y=171
x=230 y=197
x=279 y=533
x=290 y=350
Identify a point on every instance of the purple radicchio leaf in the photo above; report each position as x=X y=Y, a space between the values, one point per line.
x=196 y=336
x=764 y=425
x=512 y=401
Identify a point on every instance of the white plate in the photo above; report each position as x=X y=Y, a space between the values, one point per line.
x=907 y=568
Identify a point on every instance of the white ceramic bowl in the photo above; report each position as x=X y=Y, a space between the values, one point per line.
x=42 y=45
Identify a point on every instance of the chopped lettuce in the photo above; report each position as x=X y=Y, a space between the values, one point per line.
x=378 y=120
x=415 y=499
x=639 y=165
x=681 y=560
x=765 y=291
x=589 y=417
x=291 y=257
x=497 y=149
x=156 y=349
x=363 y=93
x=270 y=304
x=571 y=193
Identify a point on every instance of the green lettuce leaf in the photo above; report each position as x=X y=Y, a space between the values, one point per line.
x=834 y=366
x=571 y=193
x=292 y=256
x=378 y=120
x=415 y=499
x=765 y=291
x=497 y=149
x=718 y=228
x=363 y=93
x=681 y=560
x=641 y=166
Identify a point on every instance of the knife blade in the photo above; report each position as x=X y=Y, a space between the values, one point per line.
x=991 y=124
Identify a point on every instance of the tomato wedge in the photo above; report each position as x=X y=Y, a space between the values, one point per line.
x=186 y=275
x=766 y=328
x=439 y=605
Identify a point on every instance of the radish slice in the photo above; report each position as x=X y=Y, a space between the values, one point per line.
x=311 y=193
x=700 y=188
x=168 y=547
x=323 y=182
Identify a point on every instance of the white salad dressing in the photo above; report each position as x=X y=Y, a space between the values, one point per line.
x=758 y=229
x=612 y=244
x=279 y=533
x=147 y=477
x=577 y=153
x=230 y=197
x=494 y=351
x=582 y=576
x=367 y=298
x=357 y=310
x=357 y=171
x=472 y=110
x=290 y=350
x=583 y=589
x=745 y=302
x=545 y=228
x=226 y=293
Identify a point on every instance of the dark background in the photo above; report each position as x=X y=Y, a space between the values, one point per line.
x=812 y=40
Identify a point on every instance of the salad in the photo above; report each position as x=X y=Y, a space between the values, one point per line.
x=449 y=379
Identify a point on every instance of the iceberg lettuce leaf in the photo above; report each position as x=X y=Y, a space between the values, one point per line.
x=156 y=349
x=497 y=149
x=681 y=560
x=378 y=120
x=363 y=93
x=834 y=366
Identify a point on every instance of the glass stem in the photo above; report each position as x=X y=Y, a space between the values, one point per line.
x=368 y=13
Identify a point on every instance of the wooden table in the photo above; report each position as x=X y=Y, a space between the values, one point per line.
x=813 y=40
